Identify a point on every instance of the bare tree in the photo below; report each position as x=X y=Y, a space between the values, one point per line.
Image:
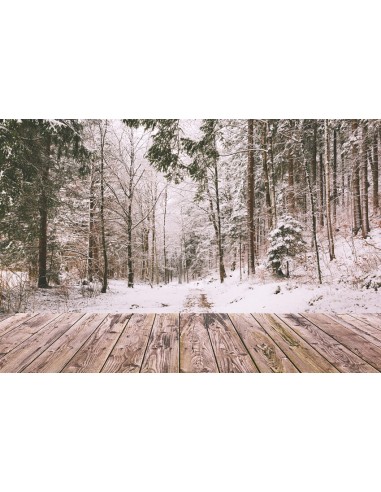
x=331 y=246
x=364 y=181
x=250 y=196
x=356 y=200
x=374 y=162
x=102 y=134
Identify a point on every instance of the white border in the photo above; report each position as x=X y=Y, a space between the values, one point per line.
x=191 y=60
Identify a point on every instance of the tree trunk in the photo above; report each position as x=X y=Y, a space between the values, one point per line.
x=215 y=218
x=334 y=176
x=291 y=184
x=102 y=207
x=375 y=198
x=43 y=242
x=145 y=249
x=164 y=237
x=180 y=268
x=327 y=173
x=273 y=195
x=153 y=245
x=314 y=155
x=43 y=220
x=220 y=245
x=313 y=218
x=266 y=176
x=321 y=190
x=343 y=173
x=364 y=182
x=250 y=197
x=357 y=220
x=130 y=280
x=90 y=253
x=240 y=255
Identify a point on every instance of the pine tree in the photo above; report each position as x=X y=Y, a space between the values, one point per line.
x=286 y=243
x=36 y=157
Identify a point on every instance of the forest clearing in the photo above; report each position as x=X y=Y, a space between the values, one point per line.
x=190 y=215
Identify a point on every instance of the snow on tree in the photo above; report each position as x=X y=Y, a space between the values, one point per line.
x=286 y=243
x=192 y=198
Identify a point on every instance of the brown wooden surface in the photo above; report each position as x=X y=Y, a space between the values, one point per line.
x=303 y=355
x=350 y=339
x=196 y=351
x=14 y=337
x=339 y=356
x=162 y=353
x=94 y=352
x=127 y=354
x=190 y=343
x=10 y=322
x=267 y=356
x=231 y=354
x=62 y=350
x=360 y=327
x=25 y=353
x=371 y=319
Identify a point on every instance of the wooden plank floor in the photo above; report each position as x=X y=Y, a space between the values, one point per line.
x=190 y=343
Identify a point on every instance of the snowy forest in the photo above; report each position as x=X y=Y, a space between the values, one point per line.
x=171 y=215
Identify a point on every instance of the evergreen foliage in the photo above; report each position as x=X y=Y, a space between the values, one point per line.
x=37 y=158
x=286 y=243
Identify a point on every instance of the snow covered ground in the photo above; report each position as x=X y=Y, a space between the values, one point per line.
x=343 y=289
x=206 y=296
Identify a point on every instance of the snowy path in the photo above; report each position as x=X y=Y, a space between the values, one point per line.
x=197 y=300
x=211 y=296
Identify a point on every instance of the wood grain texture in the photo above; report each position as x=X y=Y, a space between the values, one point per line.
x=94 y=352
x=62 y=350
x=339 y=356
x=14 y=321
x=370 y=319
x=350 y=339
x=360 y=327
x=302 y=355
x=162 y=354
x=306 y=342
x=127 y=354
x=32 y=325
x=196 y=352
x=231 y=354
x=267 y=356
x=31 y=348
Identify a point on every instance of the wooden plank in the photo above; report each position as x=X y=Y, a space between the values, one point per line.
x=364 y=330
x=162 y=353
x=360 y=327
x=31 y=348
x=62 y=350
x=196 y=352
x=302 y=355
x=348 y=337
x=369 y=318
x=14 y=321
x=339 y=356
x=267 y=356
x=14 y=337
x=127 y=354
x=231 y=354
x=94 y=352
